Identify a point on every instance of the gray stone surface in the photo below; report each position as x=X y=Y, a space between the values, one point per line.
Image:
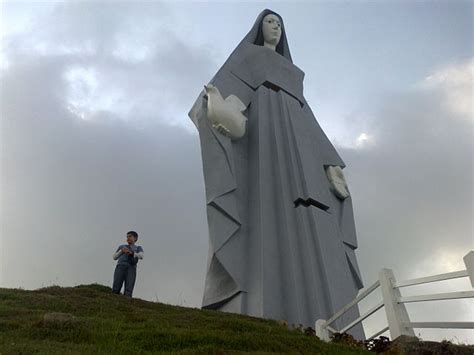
x=58 y=318
x=281 y=242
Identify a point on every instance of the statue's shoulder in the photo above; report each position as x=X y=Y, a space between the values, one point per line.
x=252 y=55
x=256 y=65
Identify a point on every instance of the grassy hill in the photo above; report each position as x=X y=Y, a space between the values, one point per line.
x=103 y=322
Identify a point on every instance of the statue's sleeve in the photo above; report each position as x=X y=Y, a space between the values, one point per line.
x=224 y=279
x=217 y=152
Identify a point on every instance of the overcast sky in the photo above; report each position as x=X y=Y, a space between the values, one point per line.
x=96 y=141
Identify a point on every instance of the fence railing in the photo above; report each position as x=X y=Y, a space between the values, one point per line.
x=397 y=316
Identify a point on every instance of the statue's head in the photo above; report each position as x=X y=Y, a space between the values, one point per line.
x=271 y=29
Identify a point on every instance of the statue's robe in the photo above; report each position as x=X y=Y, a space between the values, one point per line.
x=281 y=243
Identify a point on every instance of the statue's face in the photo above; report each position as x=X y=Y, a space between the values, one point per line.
x=271 y=28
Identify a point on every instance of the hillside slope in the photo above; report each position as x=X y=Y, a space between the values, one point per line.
x=103 y=322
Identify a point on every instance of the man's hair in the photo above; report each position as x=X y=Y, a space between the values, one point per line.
x=135 y=234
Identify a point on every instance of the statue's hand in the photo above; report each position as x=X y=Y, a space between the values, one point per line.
x=221 y=129
x=225 y=113
x=337 y=181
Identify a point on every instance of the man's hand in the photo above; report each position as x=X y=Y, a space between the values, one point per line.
x=125 y=250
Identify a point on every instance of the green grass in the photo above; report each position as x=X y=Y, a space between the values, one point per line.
x=111 y=324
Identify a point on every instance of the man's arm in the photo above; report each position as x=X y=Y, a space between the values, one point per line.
x=139 y=253
x=117 y=253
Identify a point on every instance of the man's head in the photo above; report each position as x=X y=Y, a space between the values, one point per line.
x=132 y=237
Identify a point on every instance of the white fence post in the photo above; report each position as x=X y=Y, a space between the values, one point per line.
x=394 y=304
x=469 y=262
x=321 y=330
x=396 y=312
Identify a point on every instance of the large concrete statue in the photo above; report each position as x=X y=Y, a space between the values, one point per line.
x=281 y=227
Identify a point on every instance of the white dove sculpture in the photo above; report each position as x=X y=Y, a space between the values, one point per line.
x=225 y=115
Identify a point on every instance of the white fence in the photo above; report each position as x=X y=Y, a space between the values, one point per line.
x=397 y=316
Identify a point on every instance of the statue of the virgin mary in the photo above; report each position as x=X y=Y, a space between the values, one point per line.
x=281 y=226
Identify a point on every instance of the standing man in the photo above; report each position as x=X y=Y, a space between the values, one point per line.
x=126 y=269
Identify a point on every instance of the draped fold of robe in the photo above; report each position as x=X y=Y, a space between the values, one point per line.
x=281 y=243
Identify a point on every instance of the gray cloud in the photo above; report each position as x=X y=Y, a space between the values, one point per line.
x=126 y=59
x=418 y=179
x=412 y=192
x=71 y=188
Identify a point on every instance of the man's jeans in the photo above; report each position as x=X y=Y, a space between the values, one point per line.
x=124 y=273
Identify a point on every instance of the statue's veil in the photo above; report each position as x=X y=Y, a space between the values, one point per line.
x=255 y=36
